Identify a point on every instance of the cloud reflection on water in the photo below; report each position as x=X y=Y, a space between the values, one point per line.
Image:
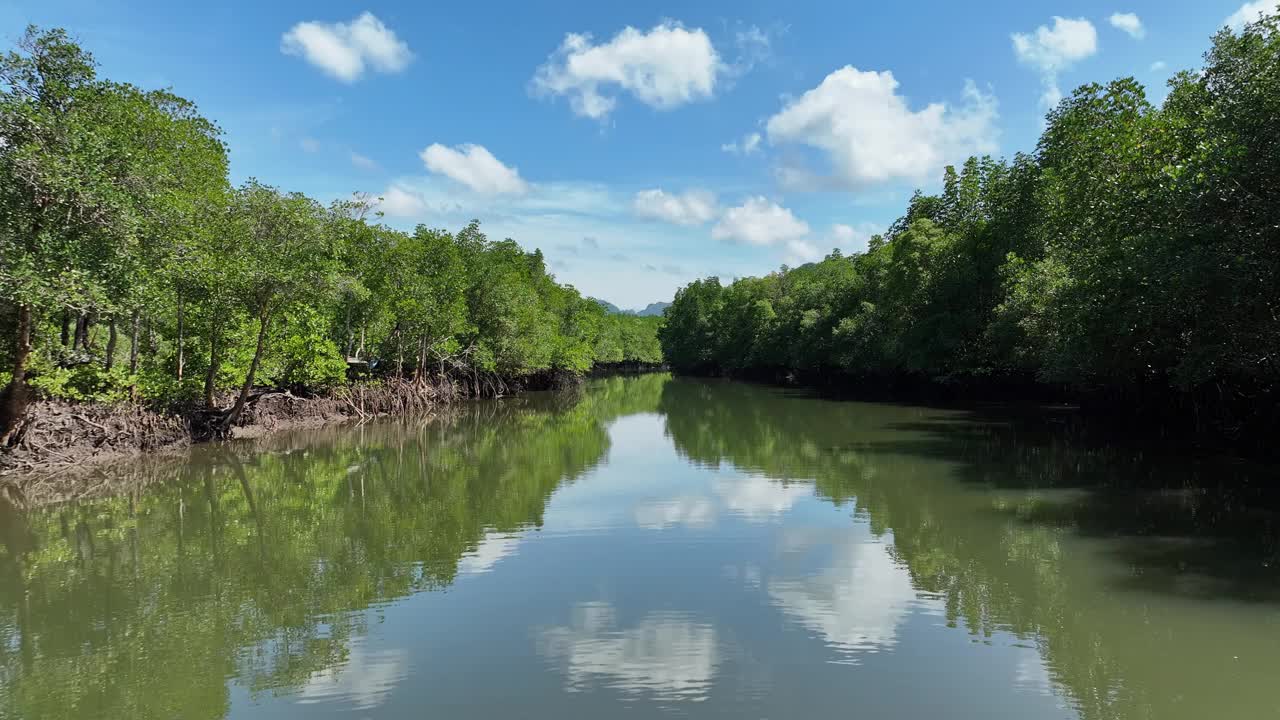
x=667 y=655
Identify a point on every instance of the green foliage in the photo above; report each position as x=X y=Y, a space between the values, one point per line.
x=306 y=356
x=81 y=382
x=629 y=338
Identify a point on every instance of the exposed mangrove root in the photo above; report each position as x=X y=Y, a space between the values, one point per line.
x=54 y=435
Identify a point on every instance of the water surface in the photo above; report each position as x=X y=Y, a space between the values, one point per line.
x=652 y=547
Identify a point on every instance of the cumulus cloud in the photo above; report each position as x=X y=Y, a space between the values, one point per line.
x=1052 y=50
x=1159 y=65
x=759 y=221
x=664 y=68
x=363 y=162
x=870 y=133
x=1251 y=12
x=1128 y=23
x=344 y=50
x=474 y=167
x=800 y=252
x=402 y=202
x=843 y=234
x=749 y=144
x=693 y=207
x=846 y=238
x=851 y=239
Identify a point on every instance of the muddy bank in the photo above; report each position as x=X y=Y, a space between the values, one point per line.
x=123 y=474
x=55 y=437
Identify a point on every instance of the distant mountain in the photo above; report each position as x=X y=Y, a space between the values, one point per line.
x=654 y=309
x=608 y=306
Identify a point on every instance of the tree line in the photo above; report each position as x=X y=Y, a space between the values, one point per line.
x=1133 y=258
x=131 y=267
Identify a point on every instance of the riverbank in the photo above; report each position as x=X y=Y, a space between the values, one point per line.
x=57 y=436
x=63 y=437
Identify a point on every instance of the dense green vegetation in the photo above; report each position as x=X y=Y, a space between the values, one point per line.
x=1134 y=257
x=629 y=338
x=129 y=265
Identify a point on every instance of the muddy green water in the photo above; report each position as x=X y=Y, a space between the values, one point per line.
x=652 y=547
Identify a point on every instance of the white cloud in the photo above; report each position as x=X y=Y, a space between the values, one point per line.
x=852 y=239
x=344 y=49
x=693 y=207
x=1129 y=23
x=749 y=145
x=475 y=167
x=759 y=221
x=402 y=202
x=1159 y=65
x=800 y=252
x=664 y=68
x=309 y=144
x=754 y=46
x=846 y=238
x=1250 y=12
x=668 y=655
x=1052 y=50
x=843 y=234
x=871 y=134
x=362 y=162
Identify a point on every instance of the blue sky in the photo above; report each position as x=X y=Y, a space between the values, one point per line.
x=639 y=144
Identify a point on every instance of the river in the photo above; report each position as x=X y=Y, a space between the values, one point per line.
x=653 y=547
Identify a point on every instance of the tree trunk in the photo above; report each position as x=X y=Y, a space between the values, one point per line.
x=419 y=371
x=399 y=354
x=264 y=321
x=81 y=339
x=112 y=339
x=181 y=354
x=211 y=375
x=65 y=337
x=133 y=343
x=350 y=337
x=13 y=401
